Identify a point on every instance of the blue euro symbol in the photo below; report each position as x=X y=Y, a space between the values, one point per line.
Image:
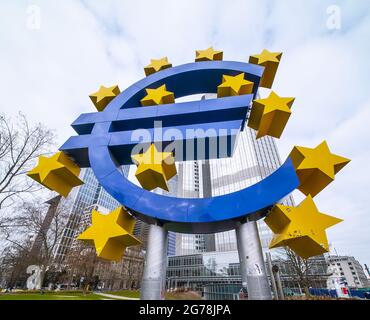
x=105 y=141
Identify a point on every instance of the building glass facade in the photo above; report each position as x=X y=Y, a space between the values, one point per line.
x=252 y=161
x=216 y=275
x=86 y=196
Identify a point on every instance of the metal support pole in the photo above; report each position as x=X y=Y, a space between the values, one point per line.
x=278 y=282
x=164 y=265
x=152 y=284
x=252 y=265
x=273 y=283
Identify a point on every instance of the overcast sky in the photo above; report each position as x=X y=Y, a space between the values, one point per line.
x=55 y=53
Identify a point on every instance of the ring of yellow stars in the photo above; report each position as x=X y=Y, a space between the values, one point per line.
x=157 y=65
x=269 y=116
x=154 y=168
x=208 y=55
x=103 y=96
x=234 y=86
x=269 y=60
x=58 y=173
x=316 y=167
x=110 y=233
x=157 y=96
x=300 y=228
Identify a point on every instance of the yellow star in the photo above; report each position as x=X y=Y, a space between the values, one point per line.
x=269 y=60
x=269 y=116
x=154 y=168
x=58 y=173
x=157 y=65
x=234 y=85
x=103 y=96
x=316 y=167
x=208 y=55
x=110 y=233
x=301 y=228
x=157 y=96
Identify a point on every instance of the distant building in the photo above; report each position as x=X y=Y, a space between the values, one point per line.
x=81 y=259
x=216 y=275
x=89 y=194
x=172 y=192
x=350 y=269
x=316 y=276
x=39 y=238
x=113 y=275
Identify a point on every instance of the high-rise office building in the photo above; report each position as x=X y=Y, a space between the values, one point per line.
x=91 y=195
x=86 y=196
x=252 y=161
x=172 y=192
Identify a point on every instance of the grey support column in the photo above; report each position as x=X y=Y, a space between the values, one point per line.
x=272 y=277
x=252 y=265
x=278 y=282
x=153 y=282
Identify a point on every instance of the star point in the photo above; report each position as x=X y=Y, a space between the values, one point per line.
x=58 y=173
x=269 y=60
x=234 y=86
x=103 y=96
x=157 y=65
x=269 y=116
x=110 y=233
x=154 y=168
x=316 y=167
x=301 y=228
x=208 y=55
x=157 y=96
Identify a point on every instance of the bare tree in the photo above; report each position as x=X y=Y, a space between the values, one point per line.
x=80 y=263
x=20 y=144
x=301 y=269
x=132 y=266
x=14 y=261
x=29 y=222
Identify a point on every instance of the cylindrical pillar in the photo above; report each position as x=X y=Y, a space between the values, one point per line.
x=272 y=278
x=252 y=265
x=152 y=284
x=279 y=285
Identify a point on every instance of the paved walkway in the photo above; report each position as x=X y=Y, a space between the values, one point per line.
x=114 y=296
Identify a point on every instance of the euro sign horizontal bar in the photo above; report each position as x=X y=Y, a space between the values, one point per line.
x=183 y=113
x=203 y=129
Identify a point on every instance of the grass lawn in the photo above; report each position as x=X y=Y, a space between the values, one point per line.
x=50 y=296
x=125 y=293
x=68 y=295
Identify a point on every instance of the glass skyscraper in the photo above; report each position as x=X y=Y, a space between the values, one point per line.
x=252 y=161
x=86 y=196
x=91 y=195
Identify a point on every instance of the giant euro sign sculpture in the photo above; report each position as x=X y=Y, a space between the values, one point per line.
x=144 y=125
